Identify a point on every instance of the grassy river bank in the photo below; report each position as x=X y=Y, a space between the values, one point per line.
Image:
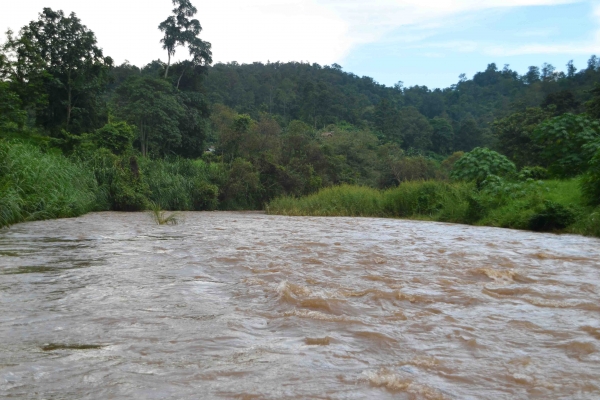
x=37 y=184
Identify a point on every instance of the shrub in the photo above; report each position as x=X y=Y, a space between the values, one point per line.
x=479 y=163
x=554 y=216
x=535 y=173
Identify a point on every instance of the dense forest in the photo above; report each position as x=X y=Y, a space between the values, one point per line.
x=190 y=135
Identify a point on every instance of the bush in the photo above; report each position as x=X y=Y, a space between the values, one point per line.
x=535 y=173
x=479 y=163
x=554 y=216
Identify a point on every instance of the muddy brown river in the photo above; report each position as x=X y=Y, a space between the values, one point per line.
x=252 y=306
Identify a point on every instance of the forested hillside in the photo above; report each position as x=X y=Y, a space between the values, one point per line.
x=324 y=95
x=190 y=135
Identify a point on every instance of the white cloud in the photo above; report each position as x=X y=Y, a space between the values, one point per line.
x=322 y=31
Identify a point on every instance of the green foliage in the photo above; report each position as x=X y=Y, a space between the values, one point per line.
x=514 y=135
x=122 y=183
x=553 y=216
x=36 y=185
x=242 y=190
x=547 y=206
x=564 y=141
x=160 y=216
x=449 y=162
x=180 y=30
x=593 y=105
x=429 y=199
x=152 y=105
x=414 y=169
x=12 y=116
x=59 y=70
x=535 y=173
x=480 y=163
x=590 y=181
x=116 y=137
x=181 y=184
x=442 y=137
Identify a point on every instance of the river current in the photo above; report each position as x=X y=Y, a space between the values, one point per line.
x=252 y=306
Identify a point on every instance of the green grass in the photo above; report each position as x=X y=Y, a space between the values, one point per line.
x=180 y=184
x=518 y=205
x=36 y=185
x=426 y=199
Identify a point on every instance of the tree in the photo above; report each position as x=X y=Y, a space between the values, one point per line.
x=180 y=30
x=547 y=72
x=468 y=135
x=593 y=105
x=153 y=106
x=532 y=75
x=563 y=101
x=415 y=128
x=565 y=141
x=442 y=136
x=58 y=56
x=514 y=135
x=12 y=116
x=480 y=163
x=386 y=122
x=571 y=69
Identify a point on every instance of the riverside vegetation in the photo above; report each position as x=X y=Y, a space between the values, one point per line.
x=79 y=134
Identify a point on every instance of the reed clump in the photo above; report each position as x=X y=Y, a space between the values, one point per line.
x=160 y=216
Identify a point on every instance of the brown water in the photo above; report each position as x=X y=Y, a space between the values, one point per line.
x=246 y=305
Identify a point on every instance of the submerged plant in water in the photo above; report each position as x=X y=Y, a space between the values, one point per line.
x=160 y=216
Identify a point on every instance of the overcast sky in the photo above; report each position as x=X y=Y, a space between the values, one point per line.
x=419 y=42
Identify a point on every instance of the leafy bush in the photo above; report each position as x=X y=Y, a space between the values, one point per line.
x=554 y=216
x=116 y=137
x=535 y=173
x=121 y=180
x=479 y=163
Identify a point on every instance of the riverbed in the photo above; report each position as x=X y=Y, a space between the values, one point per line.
x=252 y=306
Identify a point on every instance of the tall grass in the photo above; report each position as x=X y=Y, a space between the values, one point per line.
x=37 y=185
x=180 y=184
x=427 y=199
x=548 y=205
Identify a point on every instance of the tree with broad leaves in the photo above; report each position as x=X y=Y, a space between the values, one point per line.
x=180 y=30
x=56 y=59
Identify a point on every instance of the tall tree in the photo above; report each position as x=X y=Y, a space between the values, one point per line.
x=58 y=56
x=180 y=30
x=153 y=106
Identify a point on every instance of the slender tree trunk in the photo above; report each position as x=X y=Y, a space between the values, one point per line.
x=168 y=64
x=180 y=76
x=69 y=98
